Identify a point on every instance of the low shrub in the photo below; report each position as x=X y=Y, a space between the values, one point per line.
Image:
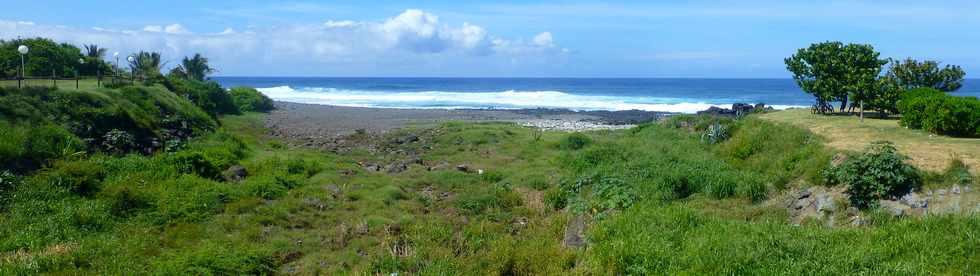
x=208 y=95
x=82 y=177
x=574 y=141
x=875 y=174
x=27 y=147
x=250 y=100
x=939 y=113
x=198 y=163
x=499 y=197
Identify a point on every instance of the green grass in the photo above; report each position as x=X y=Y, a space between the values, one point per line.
x=83 y=83
x=659 y=201
x=928 y=151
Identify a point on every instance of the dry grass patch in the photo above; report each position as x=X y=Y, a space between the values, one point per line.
x=928 y=151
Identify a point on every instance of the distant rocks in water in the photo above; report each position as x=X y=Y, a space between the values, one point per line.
x=737 y=109
x=567 y=125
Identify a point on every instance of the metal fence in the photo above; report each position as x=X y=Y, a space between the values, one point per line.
x=56 y=82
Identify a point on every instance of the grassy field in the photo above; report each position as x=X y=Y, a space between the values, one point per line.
x=655 y=199
x=83 y=84
x=928 y=151
x=669 y=205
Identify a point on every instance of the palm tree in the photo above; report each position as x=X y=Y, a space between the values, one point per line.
x=147 y=64
x=94 y=55
x=195 y=68
x=94 y=51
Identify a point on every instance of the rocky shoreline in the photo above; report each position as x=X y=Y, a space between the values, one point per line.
x=333 y=127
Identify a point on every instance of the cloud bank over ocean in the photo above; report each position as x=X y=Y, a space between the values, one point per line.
x=412 y=33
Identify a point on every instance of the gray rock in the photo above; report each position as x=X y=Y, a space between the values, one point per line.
x=955 y=189
x=853 y=211
x=463 y=168
x=575 y=232
x=333 y=189
x=913 y=200
x=966 y=189
x=408 y=138
x=804 y=194
x=397 y=167
x=234 y=173
x=372 y=167
x=895 y=208
x=941 y=192
x=825 y=203
x=857 y=221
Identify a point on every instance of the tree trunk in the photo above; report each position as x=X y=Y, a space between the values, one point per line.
x=843 y=104
x=861 y=103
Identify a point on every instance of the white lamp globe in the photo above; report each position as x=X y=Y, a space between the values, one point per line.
x=130 y=58
x=81 y=60
x=22 y=49
x=116 y=54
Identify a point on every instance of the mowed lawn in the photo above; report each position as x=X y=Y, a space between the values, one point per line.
x=928 y=151
x=85 y=83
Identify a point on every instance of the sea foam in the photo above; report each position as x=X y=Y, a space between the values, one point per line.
x=486 y=100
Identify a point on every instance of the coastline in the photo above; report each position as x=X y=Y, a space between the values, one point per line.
x=324 y=125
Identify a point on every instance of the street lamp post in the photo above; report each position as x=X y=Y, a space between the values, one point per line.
x=115 y=73
x=22 y=49
x=132 y=76
x=81 y=62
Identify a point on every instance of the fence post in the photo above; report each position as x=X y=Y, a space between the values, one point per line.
x=76 y=80
x=54 y=80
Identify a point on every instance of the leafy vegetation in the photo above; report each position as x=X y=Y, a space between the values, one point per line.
x=835 y=72
x=879 y=172
x=250 y=100
x=46 y=57
x=194 y=68
x=208 y=95
x=912 y=74
x=934 y=111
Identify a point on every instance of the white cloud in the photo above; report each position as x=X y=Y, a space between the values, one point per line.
x=339 y=24
x=150 y=28
x=175 y=29
x=402 y=37
x=544 y=39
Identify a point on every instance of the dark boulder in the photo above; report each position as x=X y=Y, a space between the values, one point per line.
x=234 y=174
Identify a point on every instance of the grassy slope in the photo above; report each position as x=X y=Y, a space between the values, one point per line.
x=689 y=209
x=928 y=151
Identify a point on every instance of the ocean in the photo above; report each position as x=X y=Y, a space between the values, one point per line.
x=669 y=95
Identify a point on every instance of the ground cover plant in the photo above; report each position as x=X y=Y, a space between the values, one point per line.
x=655 y=199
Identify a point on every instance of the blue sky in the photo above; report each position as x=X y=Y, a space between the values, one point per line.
x=716 y=39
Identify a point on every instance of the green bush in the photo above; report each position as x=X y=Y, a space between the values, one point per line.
x=250 y=100
x=207 y=95
x=875 y=174
x=574 y=141
x=28 y=147
x=939 y=113
x=198 y=163
x=147 y=115
x=81 y=177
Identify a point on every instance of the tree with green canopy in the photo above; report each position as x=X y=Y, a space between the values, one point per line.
x=45 y=57
x=195 y=68
x=834 y=72
x=147 y=64
x=911 y=74
x=94 y=60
